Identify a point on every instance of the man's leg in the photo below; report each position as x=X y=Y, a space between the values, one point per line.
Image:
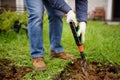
x=55 y=28
x=36 y=9
x=55 y=32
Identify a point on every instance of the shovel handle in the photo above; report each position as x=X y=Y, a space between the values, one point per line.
x=77 y=40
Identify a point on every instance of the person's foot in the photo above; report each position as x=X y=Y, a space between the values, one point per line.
x=62 y=55
x=39 y=64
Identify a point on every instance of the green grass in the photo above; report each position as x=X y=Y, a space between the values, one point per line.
x=102 y=45
x=102 y=42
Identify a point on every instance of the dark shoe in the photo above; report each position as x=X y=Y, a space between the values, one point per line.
x=39 y=64
x=62 y=55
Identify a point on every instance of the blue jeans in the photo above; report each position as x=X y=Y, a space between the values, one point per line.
x=35 y=9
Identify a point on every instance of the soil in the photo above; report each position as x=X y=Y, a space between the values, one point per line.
x=95 y=71
x=12 y=72
x=73 y=71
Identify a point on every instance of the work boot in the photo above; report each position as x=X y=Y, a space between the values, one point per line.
x=38 y=63
x=62 y=55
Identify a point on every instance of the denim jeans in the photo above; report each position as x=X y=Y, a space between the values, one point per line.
x=35 y=9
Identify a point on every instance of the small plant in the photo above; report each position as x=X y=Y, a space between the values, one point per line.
x=7 y=20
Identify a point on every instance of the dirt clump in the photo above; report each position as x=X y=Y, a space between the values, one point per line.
x=12 y=72
x=95 y=71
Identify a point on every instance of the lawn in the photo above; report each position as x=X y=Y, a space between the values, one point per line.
x=102 y=45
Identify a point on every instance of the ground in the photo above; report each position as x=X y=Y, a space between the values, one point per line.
x=95 y=71
x=11 y=72
x=73 y=71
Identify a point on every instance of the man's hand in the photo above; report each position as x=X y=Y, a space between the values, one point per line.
x=81 y=30
x=71 y=17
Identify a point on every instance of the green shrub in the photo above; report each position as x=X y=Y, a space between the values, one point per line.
x=23 y=18
x=7 y=20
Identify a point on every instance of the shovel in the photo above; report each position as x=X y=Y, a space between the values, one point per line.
x=78 y=40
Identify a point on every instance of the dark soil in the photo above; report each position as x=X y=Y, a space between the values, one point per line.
x=73 y=71
x=95 y=71
x=11 y=72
